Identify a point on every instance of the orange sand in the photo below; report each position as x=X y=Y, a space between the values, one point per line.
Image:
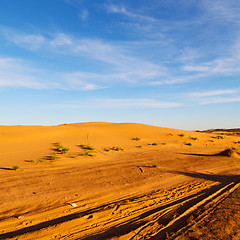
x=117 y=193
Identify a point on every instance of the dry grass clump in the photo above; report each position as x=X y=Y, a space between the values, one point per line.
x=54 y=157
x=86 y=147
x=15 y=167
x=114 y=149
x=219 y=137
x=136 y=139
x=88 y=153
x=194 y=138
x=60 y=148
x=88 y=150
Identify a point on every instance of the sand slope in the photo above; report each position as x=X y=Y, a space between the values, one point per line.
x=124 y=188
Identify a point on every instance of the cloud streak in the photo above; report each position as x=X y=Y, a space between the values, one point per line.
x=120 y=65
x=121 y=9
x=213 y=93
x=118 y=103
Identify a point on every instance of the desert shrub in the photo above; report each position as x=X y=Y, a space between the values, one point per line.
x=154 y=165
x=164 y=143
x=194 y=138
x=170 y=134
x=87 y=153
x=31 y=161
x=189 y=144
x=139 y=146
x=219 y=137
x=64 y=150
x=181 y=135
x=154 y=144
x=54 y=157
x=117 y=149
x=60 y=148
x=90 y=154
x=136 y=139
x=238 y=142
x=107 y=149
x=114 y=149
x=86 y=147
x=15 y=167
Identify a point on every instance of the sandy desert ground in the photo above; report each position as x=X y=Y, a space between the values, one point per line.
x=118 y=181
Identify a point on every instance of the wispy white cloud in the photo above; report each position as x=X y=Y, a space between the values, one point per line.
x=213 y=93
x=213 y=96
x=120 y=64
x=227 y=66
x=31 y=41
x=83 y=14
x=15 y=73
x=117 y=103
x=219 y=100
x=121 y=9
x=175 y=80
x=59 y=40
x=18 y=73
x=226 y=11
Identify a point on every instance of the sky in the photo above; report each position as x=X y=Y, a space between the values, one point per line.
x=168 y=63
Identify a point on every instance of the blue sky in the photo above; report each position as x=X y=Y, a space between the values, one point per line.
x=162 y=62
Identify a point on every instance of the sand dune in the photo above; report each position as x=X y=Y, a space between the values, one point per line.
x=112 y=181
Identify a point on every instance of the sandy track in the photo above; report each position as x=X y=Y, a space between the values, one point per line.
x=150 y=216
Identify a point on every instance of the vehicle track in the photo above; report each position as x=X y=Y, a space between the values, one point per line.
x=155 y=215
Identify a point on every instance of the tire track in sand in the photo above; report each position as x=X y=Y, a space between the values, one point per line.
x=151 y=216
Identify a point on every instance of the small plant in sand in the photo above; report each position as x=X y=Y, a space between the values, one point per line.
x=15 y=167
x=64 y=150
x=170 y=134
x=107 y=149
x=60 y=148
x=154 y=144
x=164 y=143
x=86 y=147
x=194 y=138
x=31 y=161
x=154 y=165
x=139 y=146
x=219 y=137
x=54 y=157
x=87 y=153
x=188 y=144
x=238 y=142
x=136 y=139
x=114 y=149
x=117 y=149
x=181 y=135
x=90 y=154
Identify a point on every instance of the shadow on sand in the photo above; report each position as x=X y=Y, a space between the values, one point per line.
x=6 y=168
